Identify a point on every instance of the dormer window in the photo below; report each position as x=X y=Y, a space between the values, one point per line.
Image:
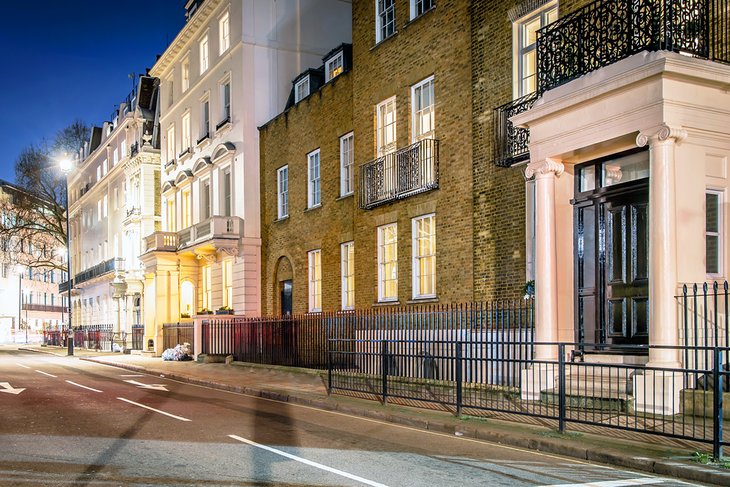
x=301 y=89
x=334 y=67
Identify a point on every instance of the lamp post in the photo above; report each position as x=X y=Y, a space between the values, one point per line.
x=66 y=166
x=20 y=270
x=27 y=299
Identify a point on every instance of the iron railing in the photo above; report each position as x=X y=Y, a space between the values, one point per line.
x=178 y=333
x=53 y=338
x=408 y=171
x=44 y=307
x=134 y=149
x=704 y=321
x=98 y=270
x=137 y=337
x=96 y=337
x=511 y=143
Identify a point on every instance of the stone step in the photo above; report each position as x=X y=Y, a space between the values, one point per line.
x=598 y=400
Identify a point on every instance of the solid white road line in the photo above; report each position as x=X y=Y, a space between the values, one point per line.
x=153 y=409
x=46 y=373
x=21 y=365
x=132 y=375
x=79 y=385
x=615 y=483
x=309 y=462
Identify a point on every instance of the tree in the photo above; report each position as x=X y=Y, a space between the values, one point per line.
x=33 y=224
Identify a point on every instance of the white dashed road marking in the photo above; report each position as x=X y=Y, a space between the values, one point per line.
x=153 y=409
x=84 y=387
x=46 y=373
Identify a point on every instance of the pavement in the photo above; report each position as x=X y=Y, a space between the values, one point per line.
x=307 y=387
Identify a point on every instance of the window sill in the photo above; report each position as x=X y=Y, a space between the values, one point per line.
x=423 y=300
x=312 y=208
x=223 y=127
x=282 y=219
x=386 y=303
x=344 y=197
x=383 y=41
x=416 y=18
x=204 y=141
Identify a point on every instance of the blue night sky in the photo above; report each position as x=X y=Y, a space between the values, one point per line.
x=69 y=59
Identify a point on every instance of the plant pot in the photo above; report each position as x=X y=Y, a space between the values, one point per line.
x=224 y=312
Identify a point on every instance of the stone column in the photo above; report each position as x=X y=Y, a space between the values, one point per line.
x=662 y=244
x=546 y=255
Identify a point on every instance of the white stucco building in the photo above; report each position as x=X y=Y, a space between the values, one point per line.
x=227 y=71
x=113 y=204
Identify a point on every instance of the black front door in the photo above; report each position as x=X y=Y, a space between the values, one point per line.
x=286 y=297
x=611 y=237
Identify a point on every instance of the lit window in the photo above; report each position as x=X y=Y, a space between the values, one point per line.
x=347 y=161
x=225 y=90
x=384 y=19
x=186 y=132
x=424 y=256
x=227 y=192
x=170 y=92
x=282 y=183
x=315 y=280
x=171 y=144
x=347 y=253
x=301 y=89
x=187 y=209
x=224 y=33
x=204 y=119
x=228 y=283
x=205 y=199
x=207 y=278
x=388 y=262
x=333 y=67
x=185 y=75
x=419 y=7
x=385 y=126
x=713 y=232
x=423 y=110
x=525 y=56
x=204 y=54
x=170 y=216
x=313 y=193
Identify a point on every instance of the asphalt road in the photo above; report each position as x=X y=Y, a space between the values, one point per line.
x=80 y=423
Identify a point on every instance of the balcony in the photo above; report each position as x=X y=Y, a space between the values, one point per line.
x=111 y=265
x=605 y=32
x=44 y=307
x=406 y=172
x=214 y=228
x=134 y=149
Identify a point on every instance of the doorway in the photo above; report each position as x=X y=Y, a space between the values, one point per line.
x=286 y=297
x=611 y=258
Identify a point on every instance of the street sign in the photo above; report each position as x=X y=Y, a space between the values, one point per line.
x=6 y=387
x=156 y=387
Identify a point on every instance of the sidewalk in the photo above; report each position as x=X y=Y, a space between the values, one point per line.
x=308 y=387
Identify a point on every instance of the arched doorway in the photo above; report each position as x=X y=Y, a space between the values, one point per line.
x=284 y=286
x=187 y=299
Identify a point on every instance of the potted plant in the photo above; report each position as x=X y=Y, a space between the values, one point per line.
x=184 y=315
x=224 y=310
x=528 y=290
x=205 y=311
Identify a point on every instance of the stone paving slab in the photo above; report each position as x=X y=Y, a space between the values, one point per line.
x=308 y=387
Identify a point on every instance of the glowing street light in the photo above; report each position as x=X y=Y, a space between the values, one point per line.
x=66 y=165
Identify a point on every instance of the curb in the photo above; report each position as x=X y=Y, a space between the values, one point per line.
x=679 y=470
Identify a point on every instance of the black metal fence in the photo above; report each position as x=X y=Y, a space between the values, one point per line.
x=680 y=402
x=178 y=333
x=704 y=321
x=96 y=337
x=137 y=337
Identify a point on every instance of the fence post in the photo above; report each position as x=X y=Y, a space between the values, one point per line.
x=384 y=367
x=329 y=367
x=561 y=387
x=717 y=378
x=459 y=376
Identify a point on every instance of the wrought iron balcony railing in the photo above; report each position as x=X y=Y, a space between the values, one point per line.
x=49 y=308
x=408 y=171
x=510 y=145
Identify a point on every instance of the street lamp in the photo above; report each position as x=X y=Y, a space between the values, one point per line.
x=66 y=165
x=19 y=269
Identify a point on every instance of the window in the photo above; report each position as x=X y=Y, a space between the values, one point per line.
x=116 y=198
x=347 y=255
x=313 y=192
x=225 y=90
x=187 y=209
x=384 y=19
x=525 y=56
x=98 y=210
x=227 y=196
x=713 y=232
x=388 y=262
x=301 y=89
x=205 y=199
x=385 y=127
x=315 y=280
x=185 y=75
x=224 y=33
x=170 y=144
x=170 y=92
x=204 y=119
x=186 y=132
x=98 y=173
x=424 y=256
x=419 y=7
x=282 y=183
x=228 y=283
x=105 y=165
x=115 y=159
x=347 y=162
x=423 y=110
x=206 y=285
x=123 y=149
x=204 y=54
x=333 y=66
x=105 y=205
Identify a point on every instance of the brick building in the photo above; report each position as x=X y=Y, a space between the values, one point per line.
x=391 y=223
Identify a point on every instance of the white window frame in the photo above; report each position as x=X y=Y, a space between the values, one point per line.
x=382 y=22
x=204 y=46
x=186 y=141
x=418 y=114
x=185 y=75
x=382 y=110
x=171 y=91
x=204 y=122
x=382 y=264
x=415 y=266
x=415 y=4
x=347 y=270
x=519 y=50
x=314 y=188
x=347 y=164
x=227 y=281
x=225 y=104
x=302 y=89
x=334 y=66
x=314 y=259
x=205 y=203
x=226 y=206
x=719 y=234
x=282 y=192
x=170 y=143
x=224 y=33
